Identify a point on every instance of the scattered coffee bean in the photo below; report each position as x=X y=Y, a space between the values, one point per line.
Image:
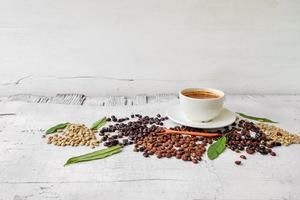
x=195 y=161
x=247 y=136
x=142 y=131
x=187 y=148
x=238 y=162
x=249 y=151
x=273 y=153
x=278 y=135
x=145 y=154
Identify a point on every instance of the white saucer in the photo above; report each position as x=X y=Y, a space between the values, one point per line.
x=225 y=118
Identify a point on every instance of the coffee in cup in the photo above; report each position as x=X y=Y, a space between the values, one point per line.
x=201 y=104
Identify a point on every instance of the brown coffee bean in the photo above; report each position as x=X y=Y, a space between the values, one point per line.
x=142 y=131
x=184 y=158
x=198 y=158
x=243 y=157
x=238 y=162
x=273 y=153
x=195 y=161
x=145 y=154
x=187 y=154
x=249 y=151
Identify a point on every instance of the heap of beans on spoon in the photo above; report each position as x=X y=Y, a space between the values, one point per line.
x=151 y=138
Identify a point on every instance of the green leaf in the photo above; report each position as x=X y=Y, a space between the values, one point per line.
x=56 y=127
x=259 y=119
x=95 y=153
x=100 y=154
x=216 y=148
x=94 y=157
x=99 y=123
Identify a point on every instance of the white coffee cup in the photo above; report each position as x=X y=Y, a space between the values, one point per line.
x=201 y=109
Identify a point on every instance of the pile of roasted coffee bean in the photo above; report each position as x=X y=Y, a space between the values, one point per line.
x=139 y=127
x=143 y=132
x=187 y=148
x=244 y=135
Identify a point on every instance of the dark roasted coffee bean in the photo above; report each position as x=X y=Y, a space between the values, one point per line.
x=243 y=157
x=262 y=151
x=194 y=161
x=114 y=136
x=238 y=162
x=273 y=153
x=269 y=150
x=249 y=151
x=107 y=144
x=141 y=148
x=114 y=142
x=104 y=138
x=145 y=154
x=277 y=144
x=241 y=148
x=102 y=131
x=101 y=134
x=185 y=158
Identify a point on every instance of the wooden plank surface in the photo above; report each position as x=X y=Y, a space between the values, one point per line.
x=32 y=170
x=110 y=47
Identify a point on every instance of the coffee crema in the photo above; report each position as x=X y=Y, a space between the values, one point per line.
x=200 y=94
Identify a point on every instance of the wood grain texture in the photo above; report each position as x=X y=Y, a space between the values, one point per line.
x=32 y=170
x=127 y=47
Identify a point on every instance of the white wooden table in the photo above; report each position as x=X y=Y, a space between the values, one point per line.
x=32 y=170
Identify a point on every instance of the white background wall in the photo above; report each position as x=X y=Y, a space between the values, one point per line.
x=99 y=47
